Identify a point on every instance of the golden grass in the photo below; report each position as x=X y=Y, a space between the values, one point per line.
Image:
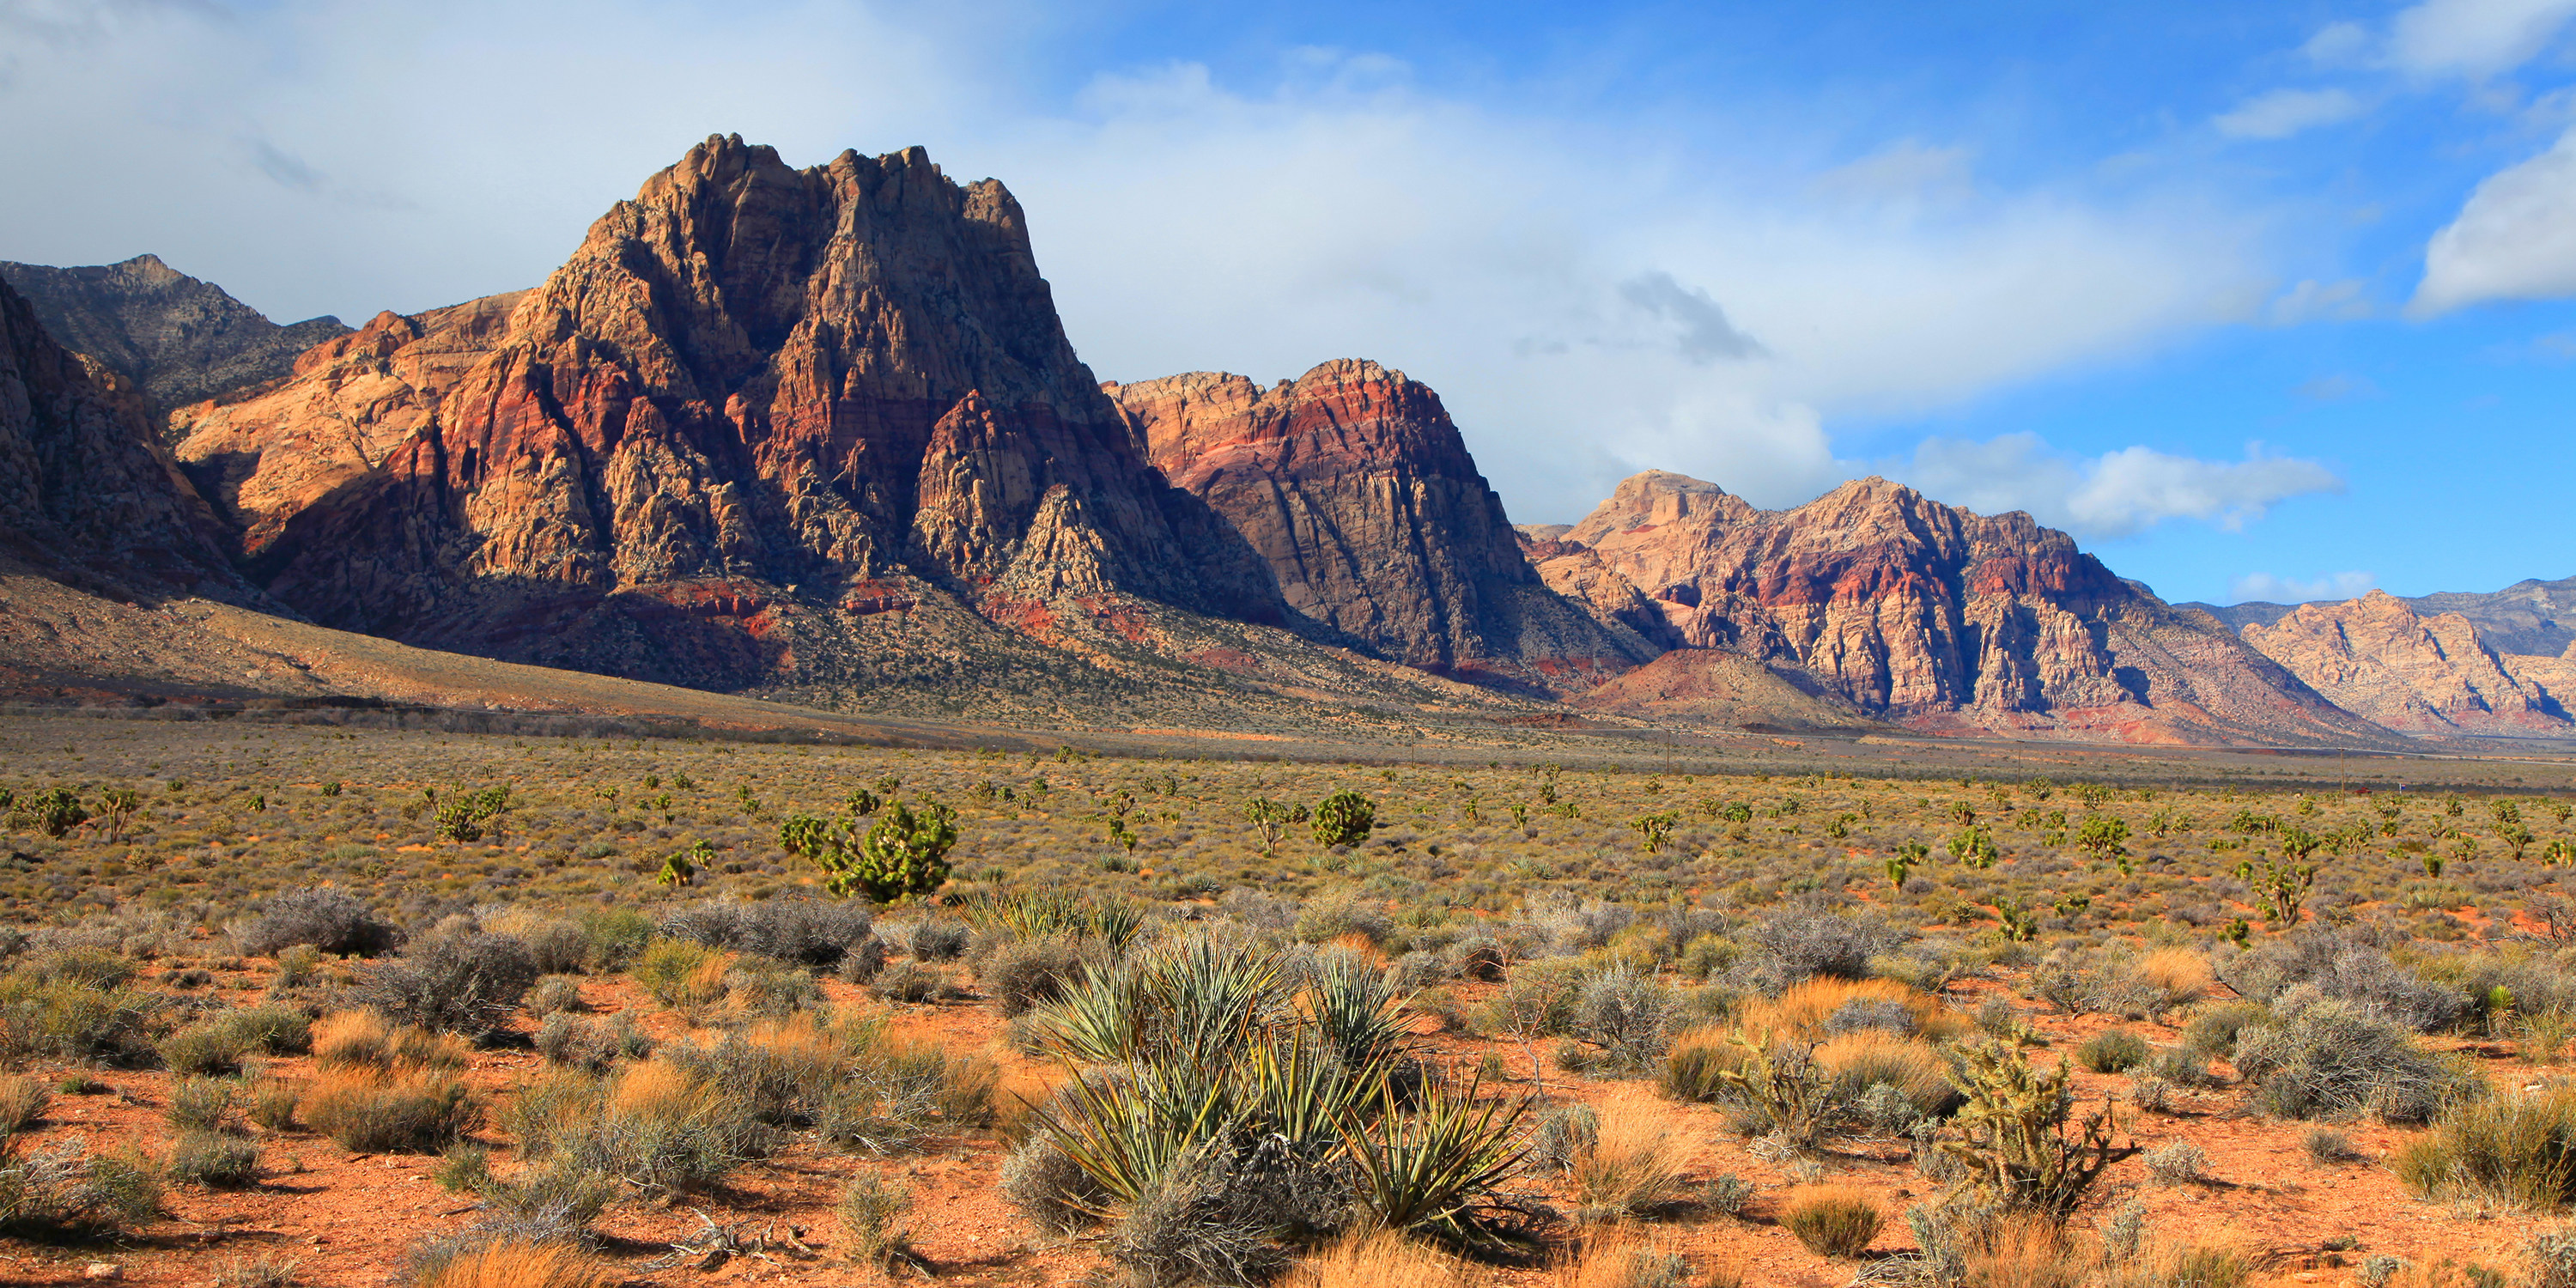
x=2021 y=1250
x=418 y=1048
x=1634 y=1163
x=1019 y=1092
x=518 y=1265
x=371 y=1110
x=1875 y=1055
x=1615 y=1258
x=1833 y=1220
x=1381 y=1260
x=2180 y=976
x=1800 y=1011
x=800 y=1045
x=22 y=1101
x=345 y=1038
x=2225 y=1262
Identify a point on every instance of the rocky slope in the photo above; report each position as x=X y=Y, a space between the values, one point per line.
x=2529 y=618
x=812 y=428
x=1355 y=487
x=179 y=340
x=86 y=496
x=1917 y=612
x=2418 y=674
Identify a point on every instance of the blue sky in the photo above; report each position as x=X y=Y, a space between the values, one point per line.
x=2267 y=299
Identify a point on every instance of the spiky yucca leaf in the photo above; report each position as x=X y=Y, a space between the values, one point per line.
x=1099 y=1020
x=1357 y=1012
x=1435 y=1170
x=1124 y=1129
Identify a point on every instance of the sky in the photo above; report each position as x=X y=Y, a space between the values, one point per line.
x=2259 y=300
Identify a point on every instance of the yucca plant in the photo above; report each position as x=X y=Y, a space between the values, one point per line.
x=1099 y=1020
x=1357 y=1012
x=1191 y=999
x=1038 y=914
x=1125 y=1128
x=1435 y=1170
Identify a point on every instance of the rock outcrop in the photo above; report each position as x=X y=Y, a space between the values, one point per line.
x=179 y=340
x=86 y=496
x=1356 y=488
x=2418 y=674
x=1917 y=612
x=2530 y=618
x=765 y=422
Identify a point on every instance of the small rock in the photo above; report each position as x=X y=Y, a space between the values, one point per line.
x=102 y=1270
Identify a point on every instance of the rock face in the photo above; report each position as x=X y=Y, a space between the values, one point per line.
x=2419 y=674
x=758 y=406
x=1355 y=487
x=2530 y=618
x=179 y=340
x=1913 y=611
x=85 y=494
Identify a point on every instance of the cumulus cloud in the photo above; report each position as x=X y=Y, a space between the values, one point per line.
x=2263 y=587
x=2117 y=494
x=1590 y=296
x=2284 y=112
x=2514 y=239
x=2474 y=37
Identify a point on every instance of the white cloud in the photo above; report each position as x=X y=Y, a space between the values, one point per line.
x=2281 y=113
x=2514 y=239
x=1590 y=297
x=2117 y=494
x=2263 y=587
x=2315 y=301
x=2473 y=37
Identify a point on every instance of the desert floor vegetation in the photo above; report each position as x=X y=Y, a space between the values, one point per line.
x=332 y=1007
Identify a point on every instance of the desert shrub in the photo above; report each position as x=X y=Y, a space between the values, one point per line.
x=1804 y=1011
x=204 y=1047
x=658 y=1126
x=330 y=919
x=1562 y=1133
x=1873 y=1013
x=2344 y=969
x=260 y=1270
x=1811 y=940
x=352 y=1038
x=1476 y=957
x=2176 y=1162
x=2320 y=1057
x=61 y=1194
x=1831 y=1220
x=556 y=945
x=2014 y=1138
x=2112 y=1051
x=2326 y=1145
x=22 y=1102
x=682 y=974
x=1694 y=1063
x=867 y=1216
x=455 y=981
x=271 y=1103
x=907 y=982
x=1024 y=973
x=46 y=1017
x=214 y=1160
x=1631 y=1164
x=808 y=932
x=199 y=1104
x=2517 y=1148
x=554 y=995
x=1326 y=920
x=371 y=1111
x=614 y=938
x=1049 y=1188
x=1618 y=1258
x=1911 y=1069
x=768 y=987
x=1624 y=1014
x=2213 y=1029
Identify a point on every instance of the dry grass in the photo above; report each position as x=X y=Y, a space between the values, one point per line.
x=2180 y=976
x=352 y=1038
x=2226 y=1262
x=1800 y=1011
x=2021 y=1250
x=22 y=1101
x=1616 y=1258
x=1858 y=1060
x=517 y=1265
x=1634 y=1164
x=372 y=1111
x=1019 y=1092
x=1833 y=1220
x=1381 y=1260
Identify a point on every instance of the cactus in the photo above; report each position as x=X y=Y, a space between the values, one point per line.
x=2014 y=1133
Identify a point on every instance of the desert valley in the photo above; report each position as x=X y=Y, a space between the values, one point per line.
x=744 y=761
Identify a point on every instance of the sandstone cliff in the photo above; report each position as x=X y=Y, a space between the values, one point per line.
x=1356 y=488
x=2419 y=674
x=767 y=426
x=85 y=494
x=179 y=340
x=1918 y=612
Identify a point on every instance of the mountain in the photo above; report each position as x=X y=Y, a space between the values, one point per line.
x=767 y=427
x=179 y=340
x=2417 y=674
x=2530 y=617
x=86 y=495
x=1919 y=613
x=1356 y=488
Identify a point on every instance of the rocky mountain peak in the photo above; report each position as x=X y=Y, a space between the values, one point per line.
x=2421 y=673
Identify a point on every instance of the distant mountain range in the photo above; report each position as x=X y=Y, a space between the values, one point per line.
x=817 y=434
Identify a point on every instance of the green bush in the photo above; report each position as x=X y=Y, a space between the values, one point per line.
x=1344 y=818
x=60 y=1195
x=2518 y=1149
x=2113 y=1051
x=214 y=1160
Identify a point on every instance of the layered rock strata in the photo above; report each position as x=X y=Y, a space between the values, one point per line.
x=1355 y=487
x=2418 y=674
